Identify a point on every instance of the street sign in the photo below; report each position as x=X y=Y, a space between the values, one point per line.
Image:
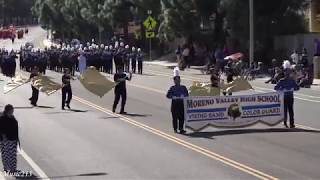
x=150 y=23
x=150 y=34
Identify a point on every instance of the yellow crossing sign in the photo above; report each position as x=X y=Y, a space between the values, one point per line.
x=150 y=34
x=150 y=23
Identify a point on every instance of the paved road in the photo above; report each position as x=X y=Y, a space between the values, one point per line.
x=36 y=36
x=90 y=142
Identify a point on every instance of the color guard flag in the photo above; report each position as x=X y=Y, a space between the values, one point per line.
x=95 y=82
x=239 y=84
x=15 y=83
x=203 y=89
x=45 y=84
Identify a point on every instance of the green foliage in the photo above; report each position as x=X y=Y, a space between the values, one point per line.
x=183 y=18
x=17 y=9
x=199 y=20
x=271 y=18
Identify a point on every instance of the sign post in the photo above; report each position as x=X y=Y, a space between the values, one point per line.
x=150 y=24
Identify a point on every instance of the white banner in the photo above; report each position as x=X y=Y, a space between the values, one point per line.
x=233 y=111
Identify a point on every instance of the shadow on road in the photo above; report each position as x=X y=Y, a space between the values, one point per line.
x=209 y=135
x=30 y=107
x=171 y=67
x=78 y=111
x=64 y=177
x=45 y=107
x=137 y=115
x=109 y=117
x=68 y=111
x=146 y=74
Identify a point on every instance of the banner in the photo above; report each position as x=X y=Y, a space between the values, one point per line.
x=45 y=84
x=233 y=111
x=15 y=83
x=95 y=82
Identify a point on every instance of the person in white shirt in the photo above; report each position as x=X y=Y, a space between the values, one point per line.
x=295 y=57
x=82 y=62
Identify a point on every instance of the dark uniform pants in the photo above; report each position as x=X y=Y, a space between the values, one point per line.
x=134 y=66
x=288 y=108
x=66 y=91
x=35 y=96
x=123 y=95
x=177 y=111
x=109 y=66
x=127 y=65
x=140 y=66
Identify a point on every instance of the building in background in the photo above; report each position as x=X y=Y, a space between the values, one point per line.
x=314 y=15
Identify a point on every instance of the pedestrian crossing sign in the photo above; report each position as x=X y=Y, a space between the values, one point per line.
x=150 y=34
x=150 y=23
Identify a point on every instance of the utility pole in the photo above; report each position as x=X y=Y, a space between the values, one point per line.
x=251 y=20
x=3 y=13
x=100 y=34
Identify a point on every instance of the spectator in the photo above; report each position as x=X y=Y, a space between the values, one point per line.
x=317 y=47
x=295 y=57
x=178 y=54
x=304 y=58
x=276 y=77
x=9 y=139
x=304 y=79
x=185 y=57
x=219 y=56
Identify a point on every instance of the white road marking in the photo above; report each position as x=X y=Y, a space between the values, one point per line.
x=186 y=144
x=1 y=176
x=34 y=166
x=296 y=94
x=307 y=128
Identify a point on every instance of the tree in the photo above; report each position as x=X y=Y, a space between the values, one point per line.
x=191 y=21
x=16 y=9
x=272 y=18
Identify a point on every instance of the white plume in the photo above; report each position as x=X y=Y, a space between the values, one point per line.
x=176 y=72
x=286 y=64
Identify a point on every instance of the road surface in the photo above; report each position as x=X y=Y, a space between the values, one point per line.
x=90 y=142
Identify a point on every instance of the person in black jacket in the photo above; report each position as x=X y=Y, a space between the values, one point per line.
x=66 y=89
x=120 y=90
x=177 y=93
x=9 y=138
x=35 y=92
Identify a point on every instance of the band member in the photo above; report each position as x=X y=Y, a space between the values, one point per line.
x=177 y=93
x=140 y=61
x=66 y=89
x=120 y=90
x=288 y=85
x=35 y=92
x=127 y=54
x=133 y=58
x=82 y=62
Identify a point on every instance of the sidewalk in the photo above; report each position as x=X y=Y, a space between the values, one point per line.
x=162 y=63
x=36 y=35
x=316 y=82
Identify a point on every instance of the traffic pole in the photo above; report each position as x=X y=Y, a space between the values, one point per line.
x=150 y=49
x=251 y=20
